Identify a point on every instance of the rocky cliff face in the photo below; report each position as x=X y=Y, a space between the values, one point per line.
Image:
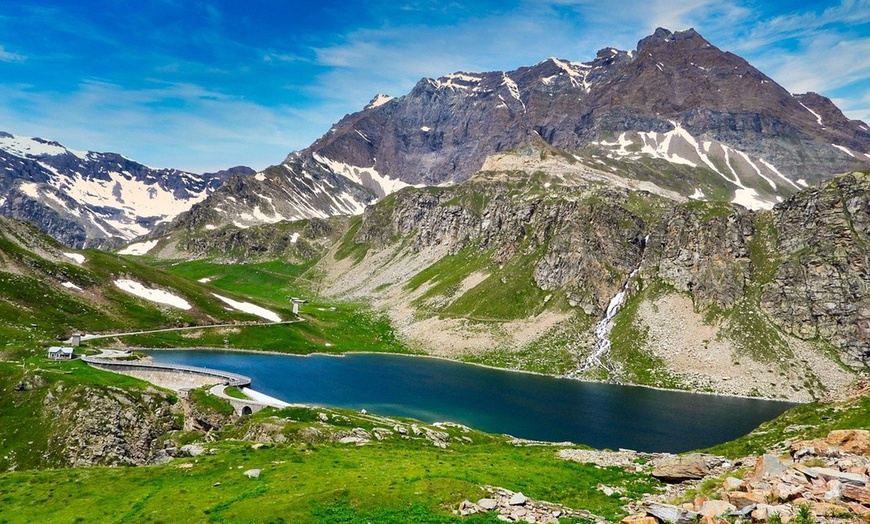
x=710 y=286
x=821 y=287
x=108 y=427
x=702 y=250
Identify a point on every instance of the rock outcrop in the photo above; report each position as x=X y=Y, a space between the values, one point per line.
x=834 y=488
x=108 y=426
x=511 y=506
x=821 y=287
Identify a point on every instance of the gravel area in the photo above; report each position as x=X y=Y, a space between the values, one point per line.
x=701 y=359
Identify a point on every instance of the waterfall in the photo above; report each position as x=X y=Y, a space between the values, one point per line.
x=602 y=332
x=601 y=349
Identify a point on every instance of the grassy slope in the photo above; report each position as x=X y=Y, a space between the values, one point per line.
x=328 y=327
x=31 y=282
x=391 y=481
x=806 y=421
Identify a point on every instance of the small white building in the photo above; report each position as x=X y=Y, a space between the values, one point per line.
x=296 y=302
x=60 y=352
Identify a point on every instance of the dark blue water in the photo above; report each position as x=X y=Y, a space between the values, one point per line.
x=523 y=405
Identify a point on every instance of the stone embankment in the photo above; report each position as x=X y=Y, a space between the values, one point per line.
x=823 y=480
x=178 y=378
x=196 y=376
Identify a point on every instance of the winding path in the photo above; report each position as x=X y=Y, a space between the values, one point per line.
x=185 y=328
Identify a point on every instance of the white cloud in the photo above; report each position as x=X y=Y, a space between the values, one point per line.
x=806 y=25
x=6 y=56
x=824 y=64
x=198 y=129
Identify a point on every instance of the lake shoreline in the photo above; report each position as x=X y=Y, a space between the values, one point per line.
x=485 y=366
x=531 y=406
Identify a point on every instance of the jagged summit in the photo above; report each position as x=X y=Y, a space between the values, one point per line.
x=662 y=36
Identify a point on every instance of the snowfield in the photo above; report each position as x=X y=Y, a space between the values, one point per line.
x=79 y=259
x=247 y=307
x=139 y=248
x=154 y=295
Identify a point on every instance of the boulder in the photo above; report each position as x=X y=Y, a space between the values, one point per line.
x=715 y=508
x=826 y=508
x=487 y=504
x=762 y=512
x=732 y=484
x=466 y=508
x=638 y=518
x=672 y=514
x=191 y=450
x=253 y=473
x=518 y=499
x=785 y=492
x=359 y=441
x=742 y=500
x=681 y=468
x=862 y=495
x=860 y=510
x=769 y=466
x=846 y=478
x=855 y=441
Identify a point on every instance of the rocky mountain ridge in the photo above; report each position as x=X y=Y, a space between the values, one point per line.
x=89 y=199
x=676 y=113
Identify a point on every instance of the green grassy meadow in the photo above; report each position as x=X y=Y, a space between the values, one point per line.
x=390 y=481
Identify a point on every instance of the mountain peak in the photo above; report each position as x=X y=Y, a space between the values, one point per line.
x=663 y=36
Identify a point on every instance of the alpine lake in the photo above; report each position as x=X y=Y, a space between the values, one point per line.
x=528 y=406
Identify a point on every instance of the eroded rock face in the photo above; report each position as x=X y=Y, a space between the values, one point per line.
x=705 y=256
x=109 y=427
x=822 y=287
x=587 y=245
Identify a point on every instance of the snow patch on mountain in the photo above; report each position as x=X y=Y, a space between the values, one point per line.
x=139 y=248
x=364 y=176
x=35 y=147
x=378 y=101
x=29 y=188
x=818 y=116
x=152 y=295
x=247 y=307
x=78 y=258
x=680 y=147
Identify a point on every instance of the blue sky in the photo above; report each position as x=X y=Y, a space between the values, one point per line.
x=204 y=85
